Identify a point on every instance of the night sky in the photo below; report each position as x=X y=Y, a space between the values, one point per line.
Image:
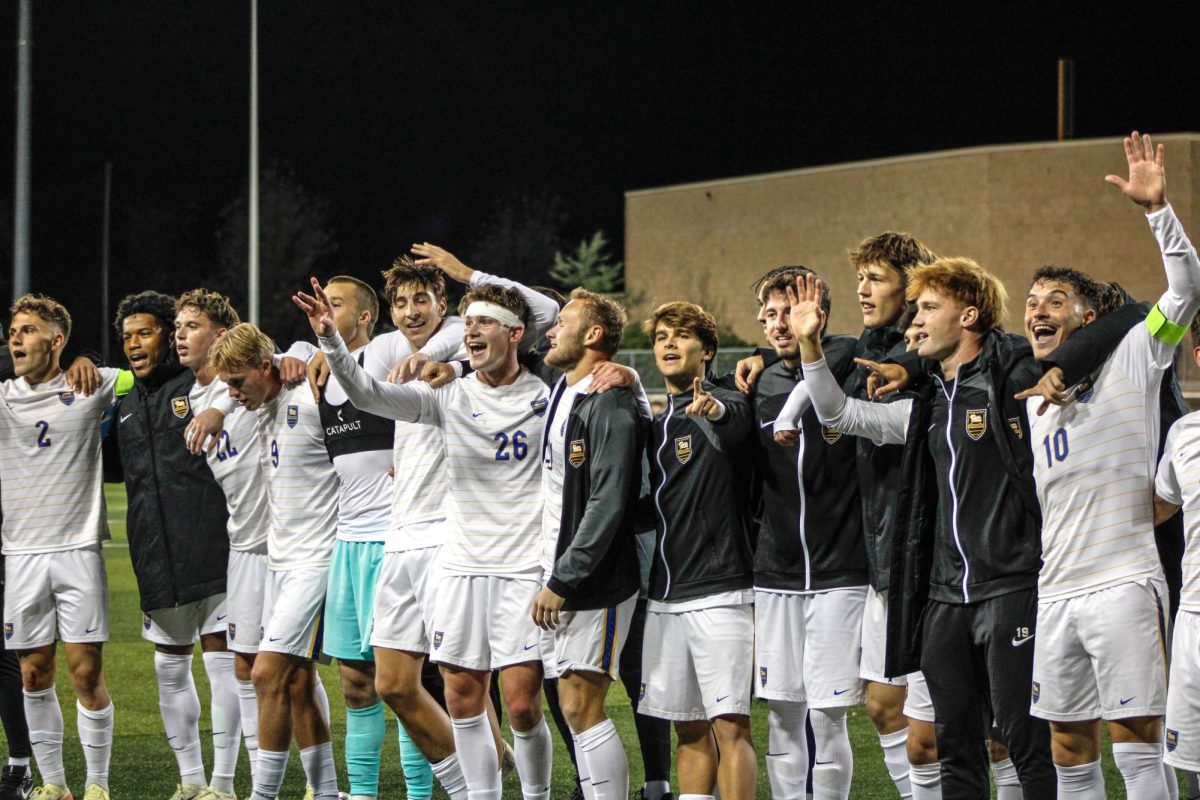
x=415 y=121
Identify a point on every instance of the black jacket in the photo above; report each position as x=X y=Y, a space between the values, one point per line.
x=177 y=518
x=810 y=529
x=700 y=474
x=595 y=560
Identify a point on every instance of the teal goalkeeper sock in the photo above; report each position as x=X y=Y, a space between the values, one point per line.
x=418 y=775
x=365 y=731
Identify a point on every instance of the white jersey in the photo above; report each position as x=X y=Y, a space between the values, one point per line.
x=1178 y=482
x=50 y=468
x=554 y=459
x=493 y=438
x=1094 y=458
x=301 y=483
x=236 y=463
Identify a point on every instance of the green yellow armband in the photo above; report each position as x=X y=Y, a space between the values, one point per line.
x=1163 y=329
x=124 y=383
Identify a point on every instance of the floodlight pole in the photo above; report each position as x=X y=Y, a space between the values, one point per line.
x=252 y=226
x=21 y=194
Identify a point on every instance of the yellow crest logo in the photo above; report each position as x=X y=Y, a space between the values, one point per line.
x=831 y=434
x=976 y=422
x=180 y=406
x=683 y=448
x=576 y=453
x=1015 y=424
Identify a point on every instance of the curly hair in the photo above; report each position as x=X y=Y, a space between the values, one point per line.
x=49 y=309
x=779 y=279
x=161 y=306
x=404 y=272
x=213 y=305
x=1086 y=288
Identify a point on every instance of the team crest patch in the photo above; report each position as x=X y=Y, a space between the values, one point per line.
x=1172 y=740
x=180 y=406
x=146 y=621
x=831 y=434
x=1015 y=424
x=1085 y=391
x=437 y=639
x=1036 y=691
x=293 y=415
x=8 y=633
x=642 y=692
x=66 y=398
x=976 y=422
x=539 y=405
x=232 y=631
x=577 y=453
x=683 y=448
x=762 y=676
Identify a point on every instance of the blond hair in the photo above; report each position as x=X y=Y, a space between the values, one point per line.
x=242 y=345
x=604 y=312
x=53 y=312
x=965 y=281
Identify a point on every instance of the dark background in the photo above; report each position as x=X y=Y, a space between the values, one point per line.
x=507 y=130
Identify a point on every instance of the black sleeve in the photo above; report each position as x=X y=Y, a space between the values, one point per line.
x=736 y=425
x=1089 y=347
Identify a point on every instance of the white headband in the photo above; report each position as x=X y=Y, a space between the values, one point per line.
x=482 y=308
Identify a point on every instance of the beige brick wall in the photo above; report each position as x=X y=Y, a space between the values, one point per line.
x=1011 y=208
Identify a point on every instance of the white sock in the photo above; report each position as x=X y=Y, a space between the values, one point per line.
x=535 y=760
x=13 y=761
x=477 y=757
x=895 y=758
x=654 y=790
x=608 y=767
x=248 y=704
x=1084 y=782
x=705 y=797
x=180 y=708
x=1141 y=767
x=268 y=777
x=926 y=780
x=322 y=697
x=450 y=776
x=833 y=766
x=1008 y=785
x=96 y=735
x=226 y=718
x=319 y=770
x=787 y=750
x=45 y=719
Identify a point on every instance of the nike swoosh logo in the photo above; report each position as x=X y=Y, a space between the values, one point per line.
x=127 y=416
x=90 y=630
x=765 y=424
x=221 y=617
x=836 y=692
x=1018 y=642
x=822 y=763
x=599 y=783
x=1126 y=700
x=274 y=638
x=563 y=660
x=531 y=646
x=776 y=755
x=719 y=699
x=479 y=414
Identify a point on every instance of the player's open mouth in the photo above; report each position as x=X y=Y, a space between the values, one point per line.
x=922 y=337
x=136 y=359
x=867 y=308
x=414 y=326
x=1043 y=333
x=16 y=354
x=475 y=348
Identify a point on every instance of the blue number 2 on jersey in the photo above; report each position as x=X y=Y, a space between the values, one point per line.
x=518 y=450
x=43 y=432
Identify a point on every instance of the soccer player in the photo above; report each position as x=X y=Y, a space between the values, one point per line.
x=591 y=478
x=16 y=780
x=810 y=568
x=54 y=522
x=177 y=540
x=302 y=490
x=492 y=420
x=699 y=646
x=1101 y=612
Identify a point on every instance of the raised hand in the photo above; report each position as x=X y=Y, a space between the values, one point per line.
x=1147 y=184
x=432 y=255
x=316 y=306
x=703 y=404
x=884 y=378
x=1050 y=388
x=806 y=319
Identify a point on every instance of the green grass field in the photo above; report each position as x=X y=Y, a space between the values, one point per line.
x=144 y=768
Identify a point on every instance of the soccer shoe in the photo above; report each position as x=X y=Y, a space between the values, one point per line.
x=187 y=791
x=16 y=782
x=210 y=793
x=94 y=792
x=52 y=792
x=308 y=793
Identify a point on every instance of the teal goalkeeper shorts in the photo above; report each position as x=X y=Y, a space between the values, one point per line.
x=350 y=598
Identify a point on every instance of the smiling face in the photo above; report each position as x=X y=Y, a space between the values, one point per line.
x=195 y=333
x=145 y=342
x=35 y=346
x=489 y=344
x=880 y=294
x=567 y=337
x=252 y=385
x=773 y=316
x=1053 y=311
x=679 y=354
x=416 y=312
x=940 y=322
x=347 y=316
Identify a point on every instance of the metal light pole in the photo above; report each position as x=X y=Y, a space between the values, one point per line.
x=21 y=192
x=252 y=226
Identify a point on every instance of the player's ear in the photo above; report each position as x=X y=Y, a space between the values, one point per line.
x=969 y=316
x=1089 y=316
x=1196 y=355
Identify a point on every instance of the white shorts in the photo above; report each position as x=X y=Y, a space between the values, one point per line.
x=49 y=596
x=245 y=591
x=405 y=595
x=591 y=640
x=698 y=665
x=874 y=639
x=807 y=646
x=293 y=611
x=1183 y=698
x=1101 y=655
x=485 y=622
x=183 y=625
x=918 y=704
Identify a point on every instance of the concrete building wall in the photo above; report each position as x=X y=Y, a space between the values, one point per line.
x=1011 y=208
